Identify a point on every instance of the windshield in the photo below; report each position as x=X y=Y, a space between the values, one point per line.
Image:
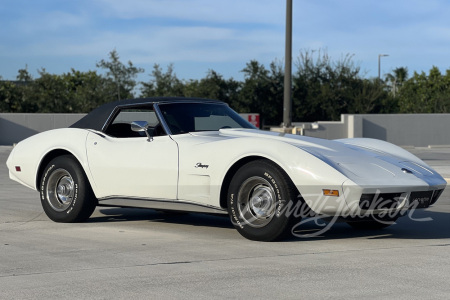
x=191 y=117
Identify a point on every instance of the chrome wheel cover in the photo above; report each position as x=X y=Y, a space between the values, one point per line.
x=256 y=201
x=60 y=190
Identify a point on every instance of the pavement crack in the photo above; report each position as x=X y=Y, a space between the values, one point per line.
x=175 y=263
x=17 y=224
x=440 y=245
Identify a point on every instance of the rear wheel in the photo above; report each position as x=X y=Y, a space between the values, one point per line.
x=257 y=200
x=66 y=194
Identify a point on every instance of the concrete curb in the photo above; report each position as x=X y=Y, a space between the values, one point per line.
x=438 y=146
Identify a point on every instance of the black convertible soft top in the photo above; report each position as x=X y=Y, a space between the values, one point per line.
x=98 y=117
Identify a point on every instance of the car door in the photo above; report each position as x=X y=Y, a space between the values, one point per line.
x=124 y=164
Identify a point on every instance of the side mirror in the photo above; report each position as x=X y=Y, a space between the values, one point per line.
x=141 y=126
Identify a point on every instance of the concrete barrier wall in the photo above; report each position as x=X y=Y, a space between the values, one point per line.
x=327 y=129
x=408 y=129
x=16 y=127
x=418 y=130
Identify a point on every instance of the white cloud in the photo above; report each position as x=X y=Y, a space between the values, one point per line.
x=170 y=45
x=243 y=11
x=50 y=22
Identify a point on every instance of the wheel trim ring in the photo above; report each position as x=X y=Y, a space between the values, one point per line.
x=60 y=189
x=256 y=202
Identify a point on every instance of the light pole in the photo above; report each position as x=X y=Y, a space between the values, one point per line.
x=379 y=64
x=288 y=68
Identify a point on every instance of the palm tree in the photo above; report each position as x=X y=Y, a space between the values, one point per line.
x=397 y=78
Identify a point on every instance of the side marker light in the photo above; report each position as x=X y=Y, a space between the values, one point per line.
x=18 y=169
x=333 y=193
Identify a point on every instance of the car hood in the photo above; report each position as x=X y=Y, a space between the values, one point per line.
x=361 y=160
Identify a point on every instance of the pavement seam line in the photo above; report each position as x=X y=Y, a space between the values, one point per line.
x=217 y=260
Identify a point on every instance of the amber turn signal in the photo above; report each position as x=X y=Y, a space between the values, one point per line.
x=334 y=193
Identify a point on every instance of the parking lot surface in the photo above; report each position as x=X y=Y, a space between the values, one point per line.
x=143 y=254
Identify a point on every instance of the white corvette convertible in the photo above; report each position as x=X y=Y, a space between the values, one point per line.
x=200 y=156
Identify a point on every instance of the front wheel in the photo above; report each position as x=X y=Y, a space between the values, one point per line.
x=260 y=201
x=66 y=194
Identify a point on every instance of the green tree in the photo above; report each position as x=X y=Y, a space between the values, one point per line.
x=10 y=97
x=13 y=95
x=424 y=93
x=323 y=88
x=73 y=92
x=123 y=76
x=262 y=92
x=24 y=75
x=162 y=84
x=369 y=96
x=214 y=86
x=86 y=90
x=50 y=93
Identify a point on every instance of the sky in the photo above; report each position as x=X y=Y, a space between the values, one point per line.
x=200 y=35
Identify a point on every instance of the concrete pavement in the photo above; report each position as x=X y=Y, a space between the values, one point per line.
x=436 y=157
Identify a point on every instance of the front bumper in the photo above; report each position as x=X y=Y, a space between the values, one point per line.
x=356 y=200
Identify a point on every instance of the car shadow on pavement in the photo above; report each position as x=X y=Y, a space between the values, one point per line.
x=143 y=214
x=420 y=225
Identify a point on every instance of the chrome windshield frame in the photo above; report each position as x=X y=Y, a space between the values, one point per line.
x=161 y=119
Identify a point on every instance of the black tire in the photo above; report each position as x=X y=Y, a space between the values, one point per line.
x=372 y=222
x=257 y=196
x=66 y=194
